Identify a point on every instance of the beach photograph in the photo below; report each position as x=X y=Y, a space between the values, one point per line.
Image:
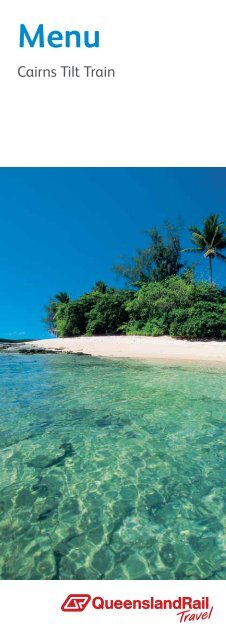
x=113 y=374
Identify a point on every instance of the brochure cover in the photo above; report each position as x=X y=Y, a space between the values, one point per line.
x=113 y=319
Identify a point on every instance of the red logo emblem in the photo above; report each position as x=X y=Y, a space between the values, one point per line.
x=76 y=602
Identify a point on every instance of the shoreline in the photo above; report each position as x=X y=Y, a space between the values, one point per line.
x=134 y=347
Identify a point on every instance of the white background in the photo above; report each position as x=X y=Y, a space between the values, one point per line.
x=32 y=610
x=166 y=106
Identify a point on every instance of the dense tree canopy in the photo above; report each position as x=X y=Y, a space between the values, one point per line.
x=162 y=299
x=95 y=313
x=109 y=314
x=159 y=260
x=178 y=307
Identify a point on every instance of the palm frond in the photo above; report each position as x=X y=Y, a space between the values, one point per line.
x=209 y=239
x=199 y=239
x=194 y=229
x=191 y=250
x=221 y=244
x=210 y=224
x=215 y=236
x=197 y=232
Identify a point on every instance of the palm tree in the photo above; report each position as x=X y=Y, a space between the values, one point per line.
x=62 y=297
x=100 y=286
x=51 y=308
x=210 y=240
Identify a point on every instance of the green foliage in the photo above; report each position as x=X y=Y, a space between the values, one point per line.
x=165 y=303
x=204 y=320
x=153 y=327
x=109 y=314
x=100 y=286
x=52 y=307
x=178 y=307
x=101 y=312
x=71 y=319
x=62 y=297
x=210 y=240
x=48 y=320
x=159 y=260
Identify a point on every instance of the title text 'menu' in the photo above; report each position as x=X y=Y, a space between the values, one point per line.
x=57 y=39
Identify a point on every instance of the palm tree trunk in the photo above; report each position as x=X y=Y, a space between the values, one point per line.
x=211 y=271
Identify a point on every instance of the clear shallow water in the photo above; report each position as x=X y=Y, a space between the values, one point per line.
x=111 y=469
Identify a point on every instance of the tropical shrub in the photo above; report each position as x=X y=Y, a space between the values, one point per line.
x=203 y=320
x=109 y=314
x=178 y=307
x=71 y=319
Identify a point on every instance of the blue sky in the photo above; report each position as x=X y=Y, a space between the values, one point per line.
x=63 y=229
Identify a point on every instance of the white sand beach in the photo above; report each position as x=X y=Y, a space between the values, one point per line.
x=140 y=347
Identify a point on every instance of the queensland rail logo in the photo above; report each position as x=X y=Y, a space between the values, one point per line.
x=187 y=609
x=76 y=602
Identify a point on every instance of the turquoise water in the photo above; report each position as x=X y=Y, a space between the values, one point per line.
x=111 y=469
